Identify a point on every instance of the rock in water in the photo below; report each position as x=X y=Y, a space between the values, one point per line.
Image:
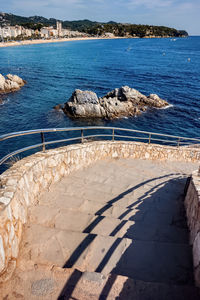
x=83 y=104
x=11 y=83
x=120 y=102
x=155 y=101
x=84 y=97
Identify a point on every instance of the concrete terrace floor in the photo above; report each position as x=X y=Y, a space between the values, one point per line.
x=115 y=229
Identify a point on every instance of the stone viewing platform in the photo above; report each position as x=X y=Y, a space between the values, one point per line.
x=100 y=220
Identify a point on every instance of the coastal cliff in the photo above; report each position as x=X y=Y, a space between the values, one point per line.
x=121 y=102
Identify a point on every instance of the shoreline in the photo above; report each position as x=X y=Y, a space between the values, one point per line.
x=40 y=41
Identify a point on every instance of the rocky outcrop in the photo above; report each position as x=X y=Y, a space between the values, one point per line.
x=120 y=102
x=10 y=83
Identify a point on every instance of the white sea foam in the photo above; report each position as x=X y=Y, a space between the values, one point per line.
x=166 y=107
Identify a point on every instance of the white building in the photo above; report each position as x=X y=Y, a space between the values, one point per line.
x=45 y=32
x=6 y=32
x=59 y=28
x=48 y=32
x=15 y=31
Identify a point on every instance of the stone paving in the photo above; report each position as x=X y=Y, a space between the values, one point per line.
x=120 y=217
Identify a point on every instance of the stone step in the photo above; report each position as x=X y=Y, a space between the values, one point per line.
x=93 y=285
x=167 y=210
x=145 y=227
x=142 y=260
x=48 y=282
x=139 y=230
x=73 y=195
x=135 y=211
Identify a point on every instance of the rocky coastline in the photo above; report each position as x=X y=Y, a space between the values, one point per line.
x=10 y=83
x=121 y=102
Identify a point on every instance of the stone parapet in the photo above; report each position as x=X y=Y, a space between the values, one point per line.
x=192 y=205
x=21 y=185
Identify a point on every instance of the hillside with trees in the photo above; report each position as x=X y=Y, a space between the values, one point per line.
x=93 y=28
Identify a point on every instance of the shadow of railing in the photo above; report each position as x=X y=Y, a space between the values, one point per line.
x=159 y=250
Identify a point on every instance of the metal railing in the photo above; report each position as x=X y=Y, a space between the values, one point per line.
x=145 y=136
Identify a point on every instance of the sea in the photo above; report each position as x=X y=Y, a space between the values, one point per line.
x=169 y=67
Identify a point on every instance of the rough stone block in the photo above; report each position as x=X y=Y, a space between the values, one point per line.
x=196 y=250
x=2 y=255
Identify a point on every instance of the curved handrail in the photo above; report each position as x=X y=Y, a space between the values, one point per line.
x=28 y=132
x=172 y=139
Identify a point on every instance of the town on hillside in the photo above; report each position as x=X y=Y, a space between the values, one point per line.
x=19 y=32
x=13 y=27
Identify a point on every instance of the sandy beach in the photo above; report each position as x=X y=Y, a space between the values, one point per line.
x=40 y=41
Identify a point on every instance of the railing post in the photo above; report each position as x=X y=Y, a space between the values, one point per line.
x=113 y=135
x=81 y=135
x=43 y=141
x=178 y=143
x=149 y=138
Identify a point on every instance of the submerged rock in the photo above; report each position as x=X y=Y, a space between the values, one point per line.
x=58 y=107
x=10 y=83
x=120 y=102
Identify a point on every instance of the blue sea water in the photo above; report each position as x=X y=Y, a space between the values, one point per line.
x=169 y=68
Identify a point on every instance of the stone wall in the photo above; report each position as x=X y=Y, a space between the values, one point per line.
x=192 y=205
x=26 y=179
